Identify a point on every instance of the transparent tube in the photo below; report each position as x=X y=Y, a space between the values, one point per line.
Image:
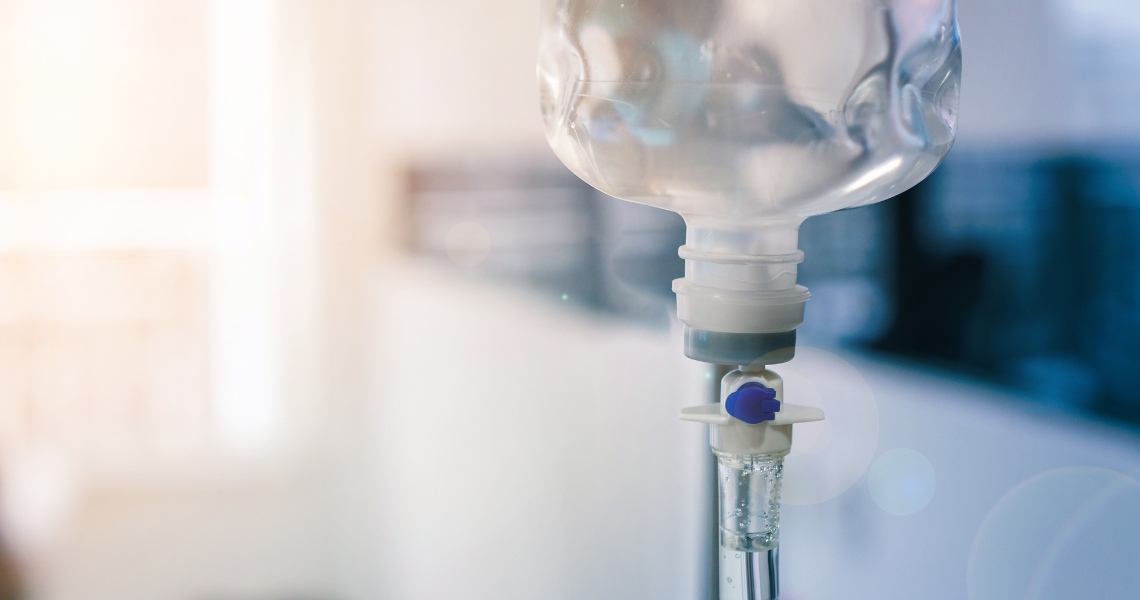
x=750 y=501
x=749 y=520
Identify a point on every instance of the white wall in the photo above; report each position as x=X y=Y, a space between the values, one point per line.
x=456 y=74
x=1049 y=71
x=1014 y=87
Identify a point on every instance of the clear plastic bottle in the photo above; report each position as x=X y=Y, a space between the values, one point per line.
x=746 y=117
x=750 y=109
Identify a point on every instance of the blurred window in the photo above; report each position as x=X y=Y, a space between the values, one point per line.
x=106 y=93
x=95 y=344
x=139 y=224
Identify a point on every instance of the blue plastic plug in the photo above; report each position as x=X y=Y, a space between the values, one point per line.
x=753 y=403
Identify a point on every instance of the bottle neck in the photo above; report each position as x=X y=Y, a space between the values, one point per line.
x=762 y=238
x=758 y=259
x=741 y=280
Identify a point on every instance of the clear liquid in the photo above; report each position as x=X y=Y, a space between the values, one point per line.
x=754 y=110
x=749 y=502
x=750 y=150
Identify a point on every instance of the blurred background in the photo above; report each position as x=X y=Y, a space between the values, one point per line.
x=295 y=303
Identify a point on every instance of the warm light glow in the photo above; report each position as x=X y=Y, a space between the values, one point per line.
x=107 y=93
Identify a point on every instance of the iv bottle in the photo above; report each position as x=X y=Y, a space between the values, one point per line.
x=747 y=117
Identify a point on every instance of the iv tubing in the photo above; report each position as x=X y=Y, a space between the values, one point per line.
x=762 y=575
x=750 y=433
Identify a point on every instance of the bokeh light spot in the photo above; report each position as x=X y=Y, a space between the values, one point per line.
x=902 y=481
x=1067 y=533
x=828 y=458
